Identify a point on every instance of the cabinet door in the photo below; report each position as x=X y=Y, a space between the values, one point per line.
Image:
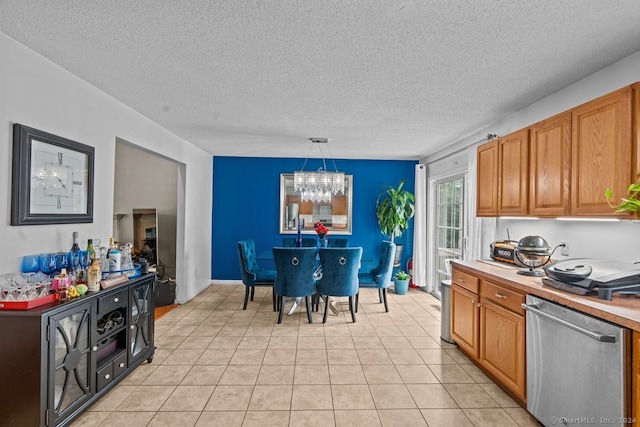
x=141 y=305
x=550 y=164
x=70 y=372
x=513 y=181
x=635 y=393
x=487 y=180
x=502 y=345
x=601 y=150
x=464 y=319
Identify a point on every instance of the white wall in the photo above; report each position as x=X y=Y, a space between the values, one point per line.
x=619 y=240
x=40 y=94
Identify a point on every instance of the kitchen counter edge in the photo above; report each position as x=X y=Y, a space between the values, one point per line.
x=623 y=310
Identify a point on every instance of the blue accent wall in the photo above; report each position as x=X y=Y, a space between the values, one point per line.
x=246 y=204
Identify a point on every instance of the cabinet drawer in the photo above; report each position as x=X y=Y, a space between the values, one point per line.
x=465 y=280
x=112 y=301
x=508 y=299
x=120 y=364
x=104 y=376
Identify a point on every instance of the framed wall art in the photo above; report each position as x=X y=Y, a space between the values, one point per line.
x=52 y=179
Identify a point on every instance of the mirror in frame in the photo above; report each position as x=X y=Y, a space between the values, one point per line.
x=335 y=214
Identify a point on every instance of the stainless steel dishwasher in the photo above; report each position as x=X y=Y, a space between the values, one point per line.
x=578 y=366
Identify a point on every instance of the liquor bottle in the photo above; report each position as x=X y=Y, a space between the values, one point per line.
x=94 y=275
x=74 y=254
x=92 y=252
x=115 y=258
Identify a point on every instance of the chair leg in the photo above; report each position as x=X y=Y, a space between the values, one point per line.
x=273 y=297
x=380 y=291
x=326 y=309
x=306 y=304
x=384 y=295
x=357 y=300
x=253 y=289
x=352 y=308
x=246 y=297
x=281 y=312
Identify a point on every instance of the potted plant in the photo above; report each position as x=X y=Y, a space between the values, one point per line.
x=631 y=203
x=401 y=282
x=394 y=208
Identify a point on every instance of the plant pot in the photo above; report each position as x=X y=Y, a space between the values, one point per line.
x=401 y=286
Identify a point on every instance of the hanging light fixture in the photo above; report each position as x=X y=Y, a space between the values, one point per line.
x=320 y=185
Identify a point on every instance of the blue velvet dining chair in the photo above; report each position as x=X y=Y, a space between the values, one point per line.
x=380 y=276
x=337 y=242
x=339 y=275
x=252 y=274
x=294 y=278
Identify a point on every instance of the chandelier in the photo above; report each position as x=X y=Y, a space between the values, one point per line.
x=320 y=185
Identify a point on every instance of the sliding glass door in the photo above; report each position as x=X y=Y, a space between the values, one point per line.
x=450 y=238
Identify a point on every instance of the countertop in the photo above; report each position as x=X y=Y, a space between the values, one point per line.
x=622 y=309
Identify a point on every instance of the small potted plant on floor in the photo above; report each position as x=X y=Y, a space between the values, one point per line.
x=401 y=282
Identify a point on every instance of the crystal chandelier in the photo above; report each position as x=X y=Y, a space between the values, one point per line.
x=320 y=185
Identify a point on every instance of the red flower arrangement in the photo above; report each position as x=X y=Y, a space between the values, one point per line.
x=321 y=229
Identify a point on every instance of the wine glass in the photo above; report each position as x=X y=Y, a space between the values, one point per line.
x=47 y=263
x=29 y=266
x=30 y=263
x=62 y=260
x=84 y=263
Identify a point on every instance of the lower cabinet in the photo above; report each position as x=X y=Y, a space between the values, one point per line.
x=464 y=324
x=635 y=369
x=502 y=346
x=489 y=326
x=59 y=358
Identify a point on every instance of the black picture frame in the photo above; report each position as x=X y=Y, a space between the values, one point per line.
x=52 y=179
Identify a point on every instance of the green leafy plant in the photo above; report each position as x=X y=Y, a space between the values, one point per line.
x=401 y=275
x=394 y=208
x=631 y=203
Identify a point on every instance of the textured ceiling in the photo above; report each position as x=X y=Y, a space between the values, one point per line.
x=381 y=79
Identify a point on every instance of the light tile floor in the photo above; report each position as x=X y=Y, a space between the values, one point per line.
x=219 y=365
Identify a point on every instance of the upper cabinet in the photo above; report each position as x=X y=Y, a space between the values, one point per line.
x=602 y=151
x=513 y=166
x=562 y=166
x=550 y=165
x=487 y=184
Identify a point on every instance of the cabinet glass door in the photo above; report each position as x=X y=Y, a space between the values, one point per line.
x=69 y=358
x=141 y=326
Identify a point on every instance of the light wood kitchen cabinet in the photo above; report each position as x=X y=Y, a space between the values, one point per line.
x=513 y=172
x=601 y=152
x=550 y=167
x=489 y=326
x=502 y=337
x=487 y=180
x=464 y=324
x=635 y=369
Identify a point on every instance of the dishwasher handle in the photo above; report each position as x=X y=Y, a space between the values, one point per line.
x=593 y=335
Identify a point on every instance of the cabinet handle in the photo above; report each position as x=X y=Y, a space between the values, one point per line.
x=116 y=299
x=501 y=296
x=132 y=327
x=121 y=364
x=462 y=280
x=473 y=301
x=107 y=376
x=95 y=348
